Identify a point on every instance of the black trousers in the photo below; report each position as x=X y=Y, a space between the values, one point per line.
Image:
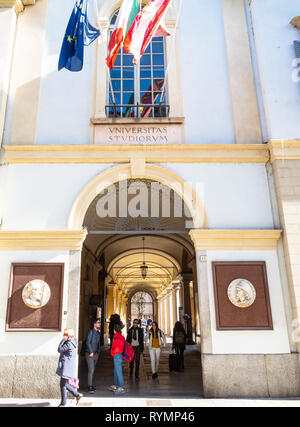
x=136 y=361
x=179 y=348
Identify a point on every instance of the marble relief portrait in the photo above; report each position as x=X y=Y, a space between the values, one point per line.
x=36 y=294
x=241 y=293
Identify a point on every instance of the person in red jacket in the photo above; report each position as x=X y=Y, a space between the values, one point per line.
x=116 y=352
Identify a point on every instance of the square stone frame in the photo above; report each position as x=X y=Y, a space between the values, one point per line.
x=218 y=304
x=8 y=328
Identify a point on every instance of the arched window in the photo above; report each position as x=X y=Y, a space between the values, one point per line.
x=138 y=90
x=142 y=306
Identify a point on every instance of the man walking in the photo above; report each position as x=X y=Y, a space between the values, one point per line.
x=92 y=352
x=135 y=337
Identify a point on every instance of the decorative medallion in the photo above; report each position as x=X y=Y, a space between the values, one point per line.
x=241 y=293
x=36 y=294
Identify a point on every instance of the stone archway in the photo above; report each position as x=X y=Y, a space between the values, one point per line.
x=151 y=172
x=115 y=245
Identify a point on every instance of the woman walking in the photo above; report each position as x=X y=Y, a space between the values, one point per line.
x=67 y=366
x=179 y=341
x=156 y=340
x=116 y=352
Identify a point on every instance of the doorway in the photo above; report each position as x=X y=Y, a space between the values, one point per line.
x=141 y=265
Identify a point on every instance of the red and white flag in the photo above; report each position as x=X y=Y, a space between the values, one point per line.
x=146 y=25
x=126 y=17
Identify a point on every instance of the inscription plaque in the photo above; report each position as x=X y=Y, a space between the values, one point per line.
x=136 y=134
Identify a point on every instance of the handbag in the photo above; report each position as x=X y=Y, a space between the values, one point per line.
x=173 y=362
x=74 y=383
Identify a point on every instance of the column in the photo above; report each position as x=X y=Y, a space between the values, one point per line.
x=110 y=297
x=203 y=295
x=178 y=304
x=174 y=304
x=125 y=317
x=166 y=315
x=171 y=312
x=285 y=160
x=193 y=313
x=186 y=279
x=161 y=313
x=196 y=302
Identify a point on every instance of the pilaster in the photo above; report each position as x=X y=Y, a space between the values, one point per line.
x=241 y=76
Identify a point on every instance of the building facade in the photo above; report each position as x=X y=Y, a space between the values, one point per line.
x=178 y=177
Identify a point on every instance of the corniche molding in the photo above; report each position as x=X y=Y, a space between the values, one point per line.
x=18 y=5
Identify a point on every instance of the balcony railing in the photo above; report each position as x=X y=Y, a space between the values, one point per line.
x=137 y=110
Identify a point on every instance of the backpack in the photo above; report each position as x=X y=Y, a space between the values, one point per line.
x=128 y=353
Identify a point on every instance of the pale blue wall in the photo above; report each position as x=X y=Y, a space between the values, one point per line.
x=66 y=97
x=206 y=91
x=274 y=51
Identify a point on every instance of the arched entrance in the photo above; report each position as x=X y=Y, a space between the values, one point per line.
x=141 y=307
x=138 y=244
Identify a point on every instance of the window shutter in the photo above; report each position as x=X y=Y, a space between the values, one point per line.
x=297 y=48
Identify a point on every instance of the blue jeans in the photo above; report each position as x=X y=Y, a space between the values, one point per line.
x=64 y=387
x=118 y=373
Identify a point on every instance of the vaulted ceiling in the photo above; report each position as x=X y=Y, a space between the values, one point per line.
x=121 y=245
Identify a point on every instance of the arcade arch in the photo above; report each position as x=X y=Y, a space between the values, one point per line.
x=117 y=247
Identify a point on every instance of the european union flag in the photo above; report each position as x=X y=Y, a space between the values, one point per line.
x=79 y=33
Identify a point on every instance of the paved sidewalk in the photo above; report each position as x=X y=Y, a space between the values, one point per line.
x=174 y=385
x=124 y=402
x=170 y=390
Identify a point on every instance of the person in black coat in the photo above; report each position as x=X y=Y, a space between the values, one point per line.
x=179 y=342
x=135 y=337
x=67 y=366
x=113 y=320
x=92 y=352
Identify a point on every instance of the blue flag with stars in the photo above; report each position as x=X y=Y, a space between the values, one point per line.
x=79 y=33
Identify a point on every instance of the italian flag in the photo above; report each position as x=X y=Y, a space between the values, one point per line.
x=126 y=16
x=147 y=24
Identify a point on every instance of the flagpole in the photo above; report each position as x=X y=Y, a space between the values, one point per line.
x=107 y=70
x=137 y=73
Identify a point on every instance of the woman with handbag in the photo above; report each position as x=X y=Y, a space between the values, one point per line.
x=67 y=366
x=179 y=342
x=156 y=340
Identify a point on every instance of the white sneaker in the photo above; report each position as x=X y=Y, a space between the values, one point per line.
x=113 y=388
x=120 y=390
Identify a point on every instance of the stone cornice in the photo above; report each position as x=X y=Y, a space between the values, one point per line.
x=235 y=239
x=18 y=5
x=118 y=154
x=42 y=240
x=232 y=153
x=284 y=150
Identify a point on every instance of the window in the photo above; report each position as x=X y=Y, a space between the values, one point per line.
x=140 y=90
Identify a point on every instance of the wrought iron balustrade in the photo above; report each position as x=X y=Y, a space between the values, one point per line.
x=137 y=110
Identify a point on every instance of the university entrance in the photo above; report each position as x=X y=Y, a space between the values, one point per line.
x=138 y=262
